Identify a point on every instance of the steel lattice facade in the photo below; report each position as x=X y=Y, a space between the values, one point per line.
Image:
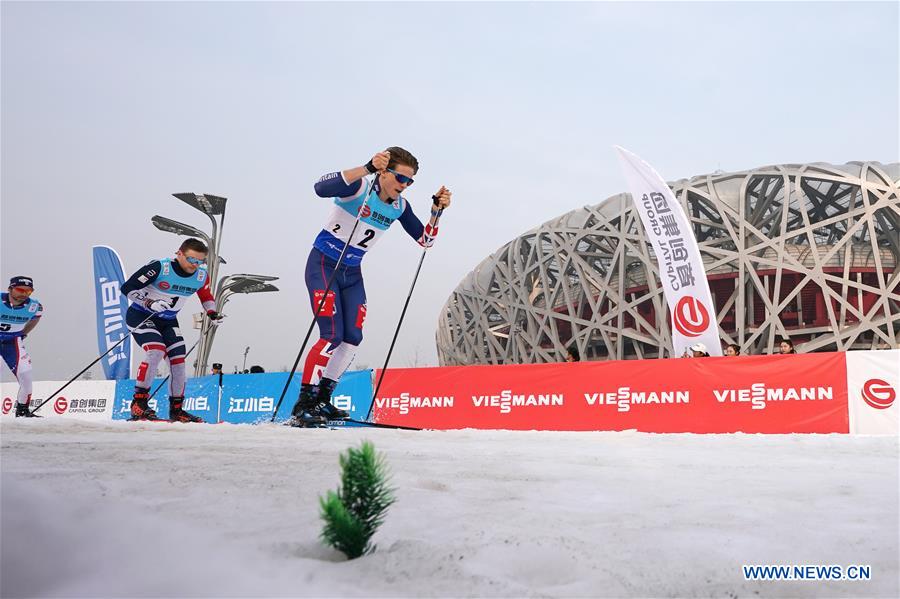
x=808 y=252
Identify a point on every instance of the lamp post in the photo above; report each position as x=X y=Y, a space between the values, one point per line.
x=254 y=287
x=178 y=228
x=213 y=206
x=169 y=225
x=230 y=280
x=246 y=351
x=175 y=227
x=227 y=287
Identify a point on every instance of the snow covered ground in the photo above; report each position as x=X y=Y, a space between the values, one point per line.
x=128 y=510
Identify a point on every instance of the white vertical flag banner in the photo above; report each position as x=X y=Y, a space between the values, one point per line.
x=873 y=386
x=677 y=254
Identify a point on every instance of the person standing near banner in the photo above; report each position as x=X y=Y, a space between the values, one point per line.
x=343 y=312
x=698 y=350
x=786 y=347
x=158 y=291
x=19 y=314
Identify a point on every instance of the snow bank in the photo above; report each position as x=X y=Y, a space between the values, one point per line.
x=140 y=510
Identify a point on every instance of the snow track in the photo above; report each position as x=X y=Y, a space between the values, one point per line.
x=138 y=509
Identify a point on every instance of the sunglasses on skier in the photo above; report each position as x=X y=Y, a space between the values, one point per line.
x=23 y=290
x=402 y=179
x=196 y=261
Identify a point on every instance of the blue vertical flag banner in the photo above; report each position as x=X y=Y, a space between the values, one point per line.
x=111 y=307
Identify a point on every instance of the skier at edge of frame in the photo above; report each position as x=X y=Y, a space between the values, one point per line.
x=19 y=314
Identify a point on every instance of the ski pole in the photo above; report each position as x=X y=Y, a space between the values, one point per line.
x=433 y=227
x=381 y=425
x=86 y=368
x=160 y=386
x=309 y=331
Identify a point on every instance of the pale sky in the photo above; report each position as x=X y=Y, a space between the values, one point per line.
x=108 y=108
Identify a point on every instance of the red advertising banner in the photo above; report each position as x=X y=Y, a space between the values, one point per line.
x=751 y=394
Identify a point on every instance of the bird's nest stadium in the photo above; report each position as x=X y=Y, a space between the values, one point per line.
x=803 y=251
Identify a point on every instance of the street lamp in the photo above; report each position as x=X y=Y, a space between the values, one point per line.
x=244 y=287
x=227 y=287
x=225 y=282
x=257 y=277
x=240 y=286
x=178 y=228
x=205 y=203
x=173 y=226
x=212 y=206
x=250 y=286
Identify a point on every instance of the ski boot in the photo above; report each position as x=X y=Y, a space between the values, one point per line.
x=306 y=413
x=22 y=411
x=177 y=413
x=140 y=406
x=323 y=397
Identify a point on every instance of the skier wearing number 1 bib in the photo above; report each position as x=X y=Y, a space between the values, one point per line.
x=377 y=203
x=158 y=291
